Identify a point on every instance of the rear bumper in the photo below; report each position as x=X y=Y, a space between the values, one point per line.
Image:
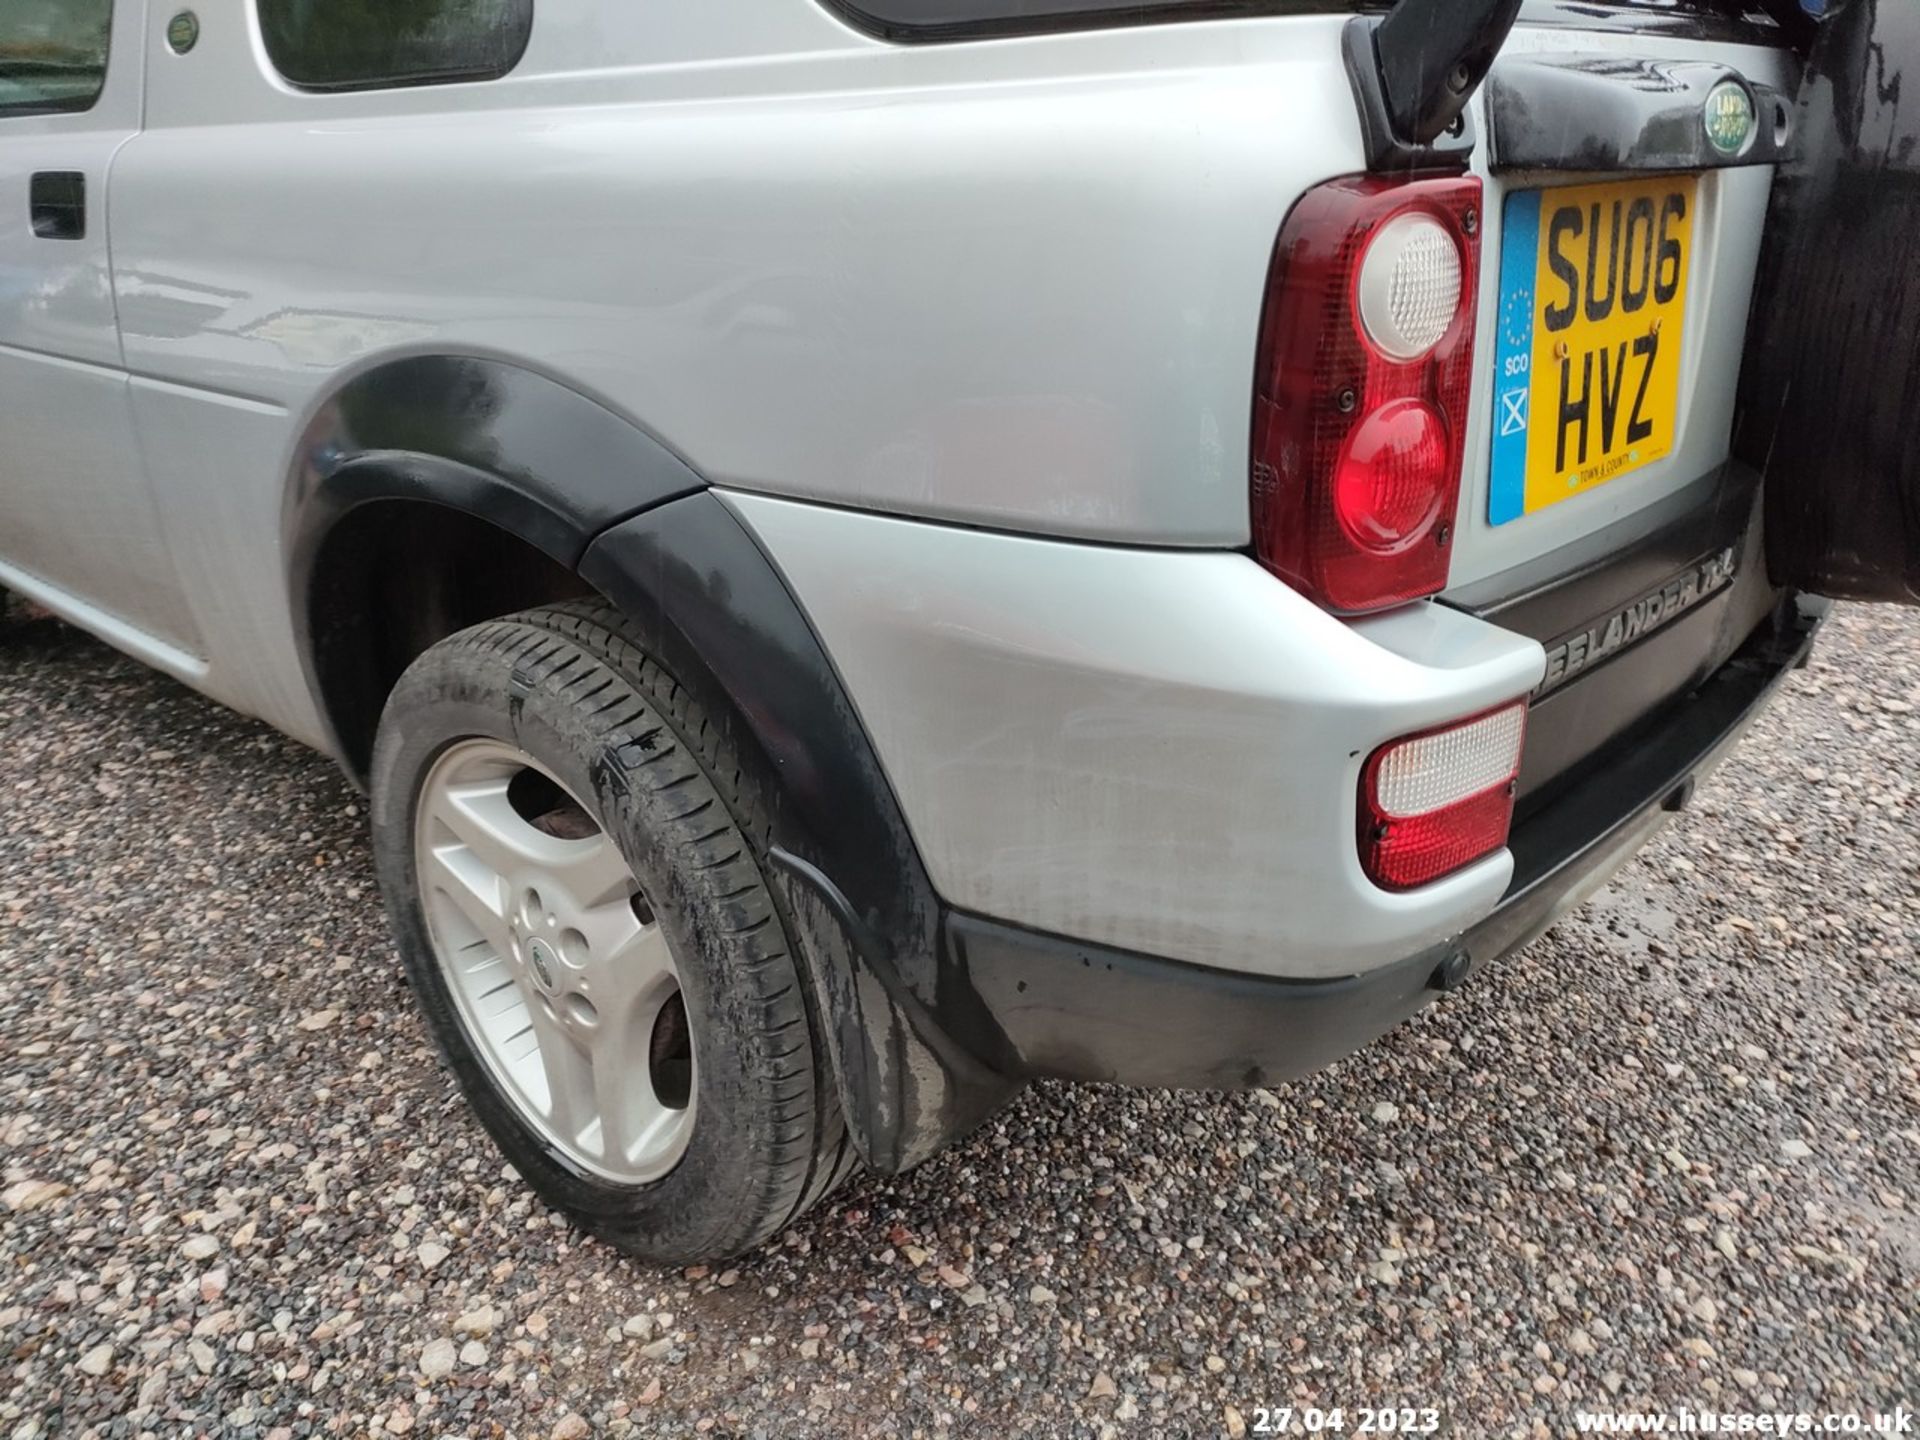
x=1087 y=1012
x=1151 y=750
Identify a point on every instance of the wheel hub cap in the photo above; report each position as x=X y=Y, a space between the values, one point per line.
x=545 y=967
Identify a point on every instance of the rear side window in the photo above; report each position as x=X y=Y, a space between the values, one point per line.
x=962 y=19
x=53 y=55
x=956 y=19
x=367 y=44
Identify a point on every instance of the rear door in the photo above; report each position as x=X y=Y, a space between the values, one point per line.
x=1831 y=396
x=1626 y=152
x=77 y=526
x=1618 y=262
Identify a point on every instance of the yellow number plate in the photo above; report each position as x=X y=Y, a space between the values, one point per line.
x=1593 y=289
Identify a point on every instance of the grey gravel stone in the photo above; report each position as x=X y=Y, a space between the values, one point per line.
x=32 y=1194
x=438 y=1359
x=478 y=1322
x=1588 y=1142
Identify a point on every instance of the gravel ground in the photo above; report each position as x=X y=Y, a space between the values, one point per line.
x=1669 y=1155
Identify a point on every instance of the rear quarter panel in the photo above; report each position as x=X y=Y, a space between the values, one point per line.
x=1012 y=283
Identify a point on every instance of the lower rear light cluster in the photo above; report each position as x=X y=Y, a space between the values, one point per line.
x=1433 y=803
x=1361 y=389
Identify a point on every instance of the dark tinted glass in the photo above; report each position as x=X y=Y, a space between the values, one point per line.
x=933 y=19
x=53 y=54
x=940 y=19
x=356 y=44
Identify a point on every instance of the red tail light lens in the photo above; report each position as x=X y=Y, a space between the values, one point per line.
x=1360 y=405
x=1386 y=484
x=1436 y=802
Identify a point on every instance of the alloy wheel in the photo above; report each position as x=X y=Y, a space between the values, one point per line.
x=562 y=975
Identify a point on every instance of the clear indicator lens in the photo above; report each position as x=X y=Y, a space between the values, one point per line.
x=1409 y=286
x=1432 y=772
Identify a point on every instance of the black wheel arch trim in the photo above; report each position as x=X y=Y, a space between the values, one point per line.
x=484 y=437
x=498 y=440
x=912 y=1046
x=601 y=497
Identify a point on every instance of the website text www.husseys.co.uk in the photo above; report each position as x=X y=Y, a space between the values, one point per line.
x=1899 y=1421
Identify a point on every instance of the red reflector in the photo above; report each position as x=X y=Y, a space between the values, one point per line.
x=1433 y=803
x=1361 y=389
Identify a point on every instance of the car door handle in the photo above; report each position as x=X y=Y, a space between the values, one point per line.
x=57 y=204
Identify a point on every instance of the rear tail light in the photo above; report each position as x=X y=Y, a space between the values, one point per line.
x=1360 y=406
x=1435 y=802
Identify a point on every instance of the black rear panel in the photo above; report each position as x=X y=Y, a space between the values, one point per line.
x=1630 y=626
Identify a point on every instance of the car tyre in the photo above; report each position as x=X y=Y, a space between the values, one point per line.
x=608 y=749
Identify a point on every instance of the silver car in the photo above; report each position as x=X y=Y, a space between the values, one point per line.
x=868 y=551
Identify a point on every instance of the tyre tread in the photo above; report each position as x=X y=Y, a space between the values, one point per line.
x=818 y=1155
